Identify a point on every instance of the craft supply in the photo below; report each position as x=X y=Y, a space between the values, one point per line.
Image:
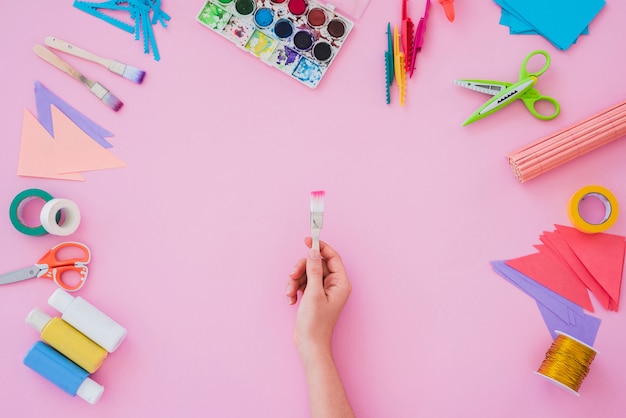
x=53 y=209
x=610 y=209
x=561 y=22
x=64 y=373
x=563 y=146
x=557 y=311
x=36 y=148
x=96 y=88
x=418 y=43
x=399 y=66
x=407 y=34
x=45 y=99
x=67 y=340
x=129 y=72
x=317 y=216
x=145 y=14
x=506 y=93
x=88 y=319
x=567 y=363
x=62 y=269
x=63 y=157
x=300 y=38
x=571 y=263
x=403 y=45
x=15 y=211
x=389 y=70
x=448 y=8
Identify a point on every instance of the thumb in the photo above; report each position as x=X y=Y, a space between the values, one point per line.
x=314 y=271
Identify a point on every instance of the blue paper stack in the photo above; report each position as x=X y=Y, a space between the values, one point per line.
x=559 y=21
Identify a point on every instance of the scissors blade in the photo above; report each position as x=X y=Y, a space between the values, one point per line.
x=513 y=93
x=483 y=86
x=18 y=275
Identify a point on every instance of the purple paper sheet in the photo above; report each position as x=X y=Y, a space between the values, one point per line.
x=585 y=328
x=558 y=313
x=45 y=98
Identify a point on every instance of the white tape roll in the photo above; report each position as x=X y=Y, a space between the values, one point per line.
x=49 y=213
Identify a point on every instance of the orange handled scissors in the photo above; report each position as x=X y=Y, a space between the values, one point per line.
x=55 y=269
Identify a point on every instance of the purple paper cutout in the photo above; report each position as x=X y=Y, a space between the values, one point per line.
x=585 y=328
x=559 y=314
x=45 y=98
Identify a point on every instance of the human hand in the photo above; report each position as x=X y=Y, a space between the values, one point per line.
x=322 y=279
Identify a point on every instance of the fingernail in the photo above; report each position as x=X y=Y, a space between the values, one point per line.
x=314 y=254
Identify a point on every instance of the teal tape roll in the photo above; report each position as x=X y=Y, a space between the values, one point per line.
x=15 y=211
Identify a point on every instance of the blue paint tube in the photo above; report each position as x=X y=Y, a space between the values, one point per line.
x=61 y=371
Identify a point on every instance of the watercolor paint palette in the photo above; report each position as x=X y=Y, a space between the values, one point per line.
x=301 y=38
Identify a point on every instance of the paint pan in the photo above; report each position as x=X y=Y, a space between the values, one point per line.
x=300 y=38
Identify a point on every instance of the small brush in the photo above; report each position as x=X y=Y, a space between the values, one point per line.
x=131 y=73
x=317 y=217
x=96 y=88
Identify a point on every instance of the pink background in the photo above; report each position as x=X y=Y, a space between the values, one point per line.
x=193 y=242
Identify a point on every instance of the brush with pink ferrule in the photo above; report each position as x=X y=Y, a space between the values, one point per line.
x=317 y=217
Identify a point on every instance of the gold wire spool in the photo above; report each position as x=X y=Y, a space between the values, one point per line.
x=567 y=362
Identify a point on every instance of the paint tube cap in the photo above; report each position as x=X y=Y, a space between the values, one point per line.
x=60 y=300
x=38 y=319
x=90 y=391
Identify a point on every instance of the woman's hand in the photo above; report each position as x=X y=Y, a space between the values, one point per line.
x=325 y=288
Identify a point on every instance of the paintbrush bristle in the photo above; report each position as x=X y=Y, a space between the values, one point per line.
x=317 y=217
x=112 y=101
x=317 y=210
x=129 y=72
x=106 y=96
x=317 y=201
x=134 y=74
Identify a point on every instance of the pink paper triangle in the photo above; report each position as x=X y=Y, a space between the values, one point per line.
x=37 y=156
x=75 y=150
x=542 y=268
x=602 y=254
x=561 y=250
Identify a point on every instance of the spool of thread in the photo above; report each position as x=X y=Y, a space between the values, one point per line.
x=554 y=150
x=567 y=362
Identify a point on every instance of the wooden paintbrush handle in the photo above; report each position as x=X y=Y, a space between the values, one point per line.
x=51 y=58
x=64 y=46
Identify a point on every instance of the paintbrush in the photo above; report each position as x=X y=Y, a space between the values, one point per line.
x=96 y=88
x=131 y=73
x=317 y=217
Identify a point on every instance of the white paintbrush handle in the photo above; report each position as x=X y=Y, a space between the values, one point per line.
x=51 y=58
x=64 y=46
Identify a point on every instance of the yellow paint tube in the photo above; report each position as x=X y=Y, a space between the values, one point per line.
x=67 y=340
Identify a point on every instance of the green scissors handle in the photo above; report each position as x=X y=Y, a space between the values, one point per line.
x=530 y=99
x=523 y=73
x=532 y=96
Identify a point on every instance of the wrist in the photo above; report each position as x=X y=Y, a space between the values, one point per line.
x=314 y=353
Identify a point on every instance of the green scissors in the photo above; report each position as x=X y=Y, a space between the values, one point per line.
x=506 y=93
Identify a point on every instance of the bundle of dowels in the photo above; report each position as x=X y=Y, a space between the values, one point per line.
x=557 y=149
